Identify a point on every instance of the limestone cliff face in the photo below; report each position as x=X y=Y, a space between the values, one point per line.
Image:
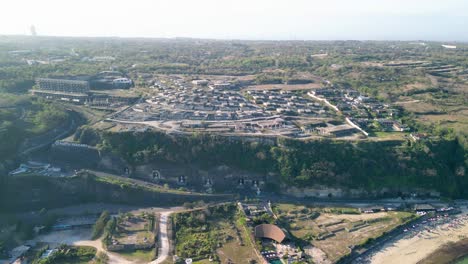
x=327 y=192
x=36 y=192
x=111 y=162
x=320 y=192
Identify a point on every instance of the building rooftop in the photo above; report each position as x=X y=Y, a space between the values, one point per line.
x=270 y=231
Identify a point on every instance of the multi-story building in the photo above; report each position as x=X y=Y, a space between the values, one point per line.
x=62 y=85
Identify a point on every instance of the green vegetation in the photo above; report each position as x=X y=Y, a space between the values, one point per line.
x=394 y=72
x=193 y=236
x=109 y=231
x=84 y=188
x=433 y=164
x=213 y=233
x=23 y=117
x=138 y=255
x=70 y=254
x=100 y=224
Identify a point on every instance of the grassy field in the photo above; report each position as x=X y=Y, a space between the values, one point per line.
x=335 y=229
x=142 y=256
x=391 y=135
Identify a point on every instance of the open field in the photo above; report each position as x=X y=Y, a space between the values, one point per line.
x=457 y=120
x=335 y=230
x=139 y=256
x=133 y=230
x=391 y=135
x=66 y=236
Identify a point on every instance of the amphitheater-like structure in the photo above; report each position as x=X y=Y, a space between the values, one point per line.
x=270 y=231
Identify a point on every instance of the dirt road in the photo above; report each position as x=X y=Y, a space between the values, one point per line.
x=113 y=258
x=80 y=237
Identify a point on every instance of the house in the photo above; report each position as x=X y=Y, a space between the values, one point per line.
x=418 y=136
x=200 y=82
x=387 y=124
x=220 y=85
x=400 y=127
x=371 y=209
x=63 y=85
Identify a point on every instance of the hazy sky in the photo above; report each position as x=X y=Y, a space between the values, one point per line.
x=241 y=19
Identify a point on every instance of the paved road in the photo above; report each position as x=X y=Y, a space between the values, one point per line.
x=163 y=239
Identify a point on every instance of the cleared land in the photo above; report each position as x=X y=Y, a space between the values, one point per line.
x=133 y=230
x=335 y=230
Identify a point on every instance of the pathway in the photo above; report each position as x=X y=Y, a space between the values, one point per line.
x=113 y=257
x=163 y=239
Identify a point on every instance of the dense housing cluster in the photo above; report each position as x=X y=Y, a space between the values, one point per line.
x=362 y=112
x=286 y=102
x=181 y=105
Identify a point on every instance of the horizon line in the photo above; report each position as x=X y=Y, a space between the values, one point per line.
x=235 y=39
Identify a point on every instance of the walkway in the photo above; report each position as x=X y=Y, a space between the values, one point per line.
x=113 y=257
x=163 y=239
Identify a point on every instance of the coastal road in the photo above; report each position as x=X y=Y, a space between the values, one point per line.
x=162 y=239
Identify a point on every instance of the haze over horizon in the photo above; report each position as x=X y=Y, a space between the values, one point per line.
x=430 y=20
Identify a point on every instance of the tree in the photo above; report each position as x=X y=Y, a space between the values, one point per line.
x=100 y=224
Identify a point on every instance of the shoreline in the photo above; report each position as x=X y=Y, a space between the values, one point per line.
x=417 y=244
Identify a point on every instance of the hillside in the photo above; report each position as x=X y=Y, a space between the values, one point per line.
x=432 y=164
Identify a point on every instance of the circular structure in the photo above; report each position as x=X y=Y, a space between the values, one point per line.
x=270 y=231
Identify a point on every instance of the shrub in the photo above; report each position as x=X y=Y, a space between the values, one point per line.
x=100 y=224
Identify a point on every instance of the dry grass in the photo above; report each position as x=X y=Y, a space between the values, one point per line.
x=134 y=231
x=421 y=107
x=232 y=249
x=337 y=246
x=305 y=227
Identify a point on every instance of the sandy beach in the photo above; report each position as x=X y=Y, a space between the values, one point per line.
x=419 y=243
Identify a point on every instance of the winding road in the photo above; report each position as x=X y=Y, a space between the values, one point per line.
x=114 y=258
